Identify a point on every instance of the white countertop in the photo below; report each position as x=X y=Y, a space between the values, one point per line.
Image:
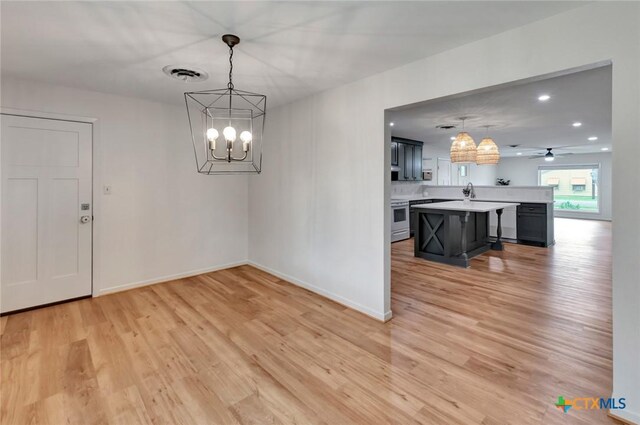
x=412 y=198
x=475 y=206
x=422 y=198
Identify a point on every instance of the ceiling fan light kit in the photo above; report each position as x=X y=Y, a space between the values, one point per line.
x=227 y=125
x=549 y=156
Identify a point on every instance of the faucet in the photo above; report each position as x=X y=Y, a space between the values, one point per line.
x=469 y=191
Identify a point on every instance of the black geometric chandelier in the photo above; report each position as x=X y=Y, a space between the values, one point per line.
x=227 y=126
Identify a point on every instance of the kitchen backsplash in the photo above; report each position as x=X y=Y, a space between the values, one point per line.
x=495 y=193
x=408 y=189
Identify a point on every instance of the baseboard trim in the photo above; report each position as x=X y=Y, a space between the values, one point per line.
x=628 y=418
x=383 y=317
x=581 y=217
x=387 y=316
x=167 y=278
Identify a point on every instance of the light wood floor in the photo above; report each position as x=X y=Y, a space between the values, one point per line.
x=495 y=344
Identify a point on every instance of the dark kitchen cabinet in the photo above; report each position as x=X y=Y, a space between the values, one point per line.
x=401 y=154
x=412 y=213
x=406 y=157
x=394 y=154
x=417 y=162
x=535 y=224
x=407 y=166
x=412 y=222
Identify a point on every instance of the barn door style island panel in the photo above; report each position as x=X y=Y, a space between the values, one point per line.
x=454 y=232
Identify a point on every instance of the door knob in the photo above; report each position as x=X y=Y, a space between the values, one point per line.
x=85 y=219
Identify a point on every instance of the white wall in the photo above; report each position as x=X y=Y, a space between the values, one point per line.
x=479 y=175
x=320 y=212
x=524 y=172
x=312 y=208
x=162 y=218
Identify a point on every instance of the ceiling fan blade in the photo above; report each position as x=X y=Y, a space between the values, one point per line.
x=552 y=147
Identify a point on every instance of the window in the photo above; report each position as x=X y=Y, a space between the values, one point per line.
x=553 y=182
x=576 y=187
x=578 y=184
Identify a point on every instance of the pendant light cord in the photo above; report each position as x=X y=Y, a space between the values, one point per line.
x=230 y=85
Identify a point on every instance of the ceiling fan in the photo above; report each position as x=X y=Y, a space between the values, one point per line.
x=549 y=155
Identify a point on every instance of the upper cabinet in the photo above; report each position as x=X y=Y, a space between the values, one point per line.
x=406 y=157
x=394 y=154
x=407 y=163
x=417 y=162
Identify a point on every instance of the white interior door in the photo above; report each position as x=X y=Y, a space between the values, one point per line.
x=46 y=192
x=444 y=172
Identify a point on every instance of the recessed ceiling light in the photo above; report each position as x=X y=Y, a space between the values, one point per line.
x=604 y=149
x=391 y=124
x=593 y=138
x=452 y=137
x=544 y=97
x=577 y=124
x=519 y=153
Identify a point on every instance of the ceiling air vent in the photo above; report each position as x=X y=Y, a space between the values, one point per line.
x=189 y=75
x=445 y=126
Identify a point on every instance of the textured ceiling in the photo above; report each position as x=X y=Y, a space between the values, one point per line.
x=517 y=116
x=288 y=49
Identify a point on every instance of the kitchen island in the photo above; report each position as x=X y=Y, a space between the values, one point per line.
x=454 y=232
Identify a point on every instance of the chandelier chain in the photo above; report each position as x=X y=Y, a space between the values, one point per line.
x=230 y=85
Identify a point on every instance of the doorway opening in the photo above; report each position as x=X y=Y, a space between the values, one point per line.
x=554 y=249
